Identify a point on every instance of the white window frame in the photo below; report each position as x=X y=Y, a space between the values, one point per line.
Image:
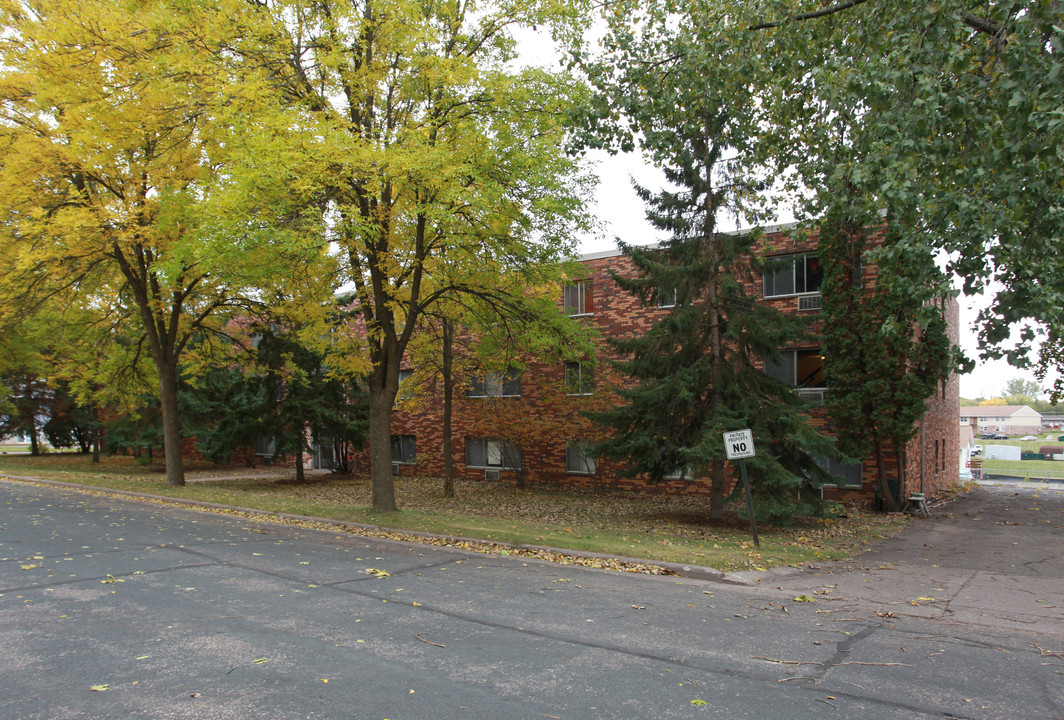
x=404 y=379
x=667 y=297
x=793 y=259
x=576 y=297
x=578 y=461
x=792 y=355
x=496 y=384
x=265 y=447
x=839 y=469
x=495 y=454
x=584 y=378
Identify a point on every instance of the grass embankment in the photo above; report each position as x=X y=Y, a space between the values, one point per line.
x=654 y=527
x=1035 y=469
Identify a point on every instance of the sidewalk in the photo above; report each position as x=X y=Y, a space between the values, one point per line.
x=995 y=557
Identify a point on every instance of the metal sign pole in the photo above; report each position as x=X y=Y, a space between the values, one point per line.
x=749 y=502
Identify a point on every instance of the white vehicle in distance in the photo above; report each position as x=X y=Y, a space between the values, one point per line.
x=1028 y=437
x=977 y=449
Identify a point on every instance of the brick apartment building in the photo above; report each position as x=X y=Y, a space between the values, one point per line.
x=528 y=427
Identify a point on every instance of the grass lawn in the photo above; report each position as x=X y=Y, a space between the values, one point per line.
x=1021 y=468
x=648 y=526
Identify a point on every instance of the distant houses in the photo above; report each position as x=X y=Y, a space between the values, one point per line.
x=1053 y=418
x=1005 y=419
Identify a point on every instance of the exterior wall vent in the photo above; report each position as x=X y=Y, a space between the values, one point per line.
x=491 y=475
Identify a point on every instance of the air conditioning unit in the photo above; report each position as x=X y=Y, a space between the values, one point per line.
x=395 y=468
x=491 y=475
x=809 y=302
x=813 y=397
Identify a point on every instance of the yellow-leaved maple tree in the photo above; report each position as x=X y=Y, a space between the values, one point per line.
x=437 y=161
x=112 y=156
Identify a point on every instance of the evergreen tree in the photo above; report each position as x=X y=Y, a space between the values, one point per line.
x=288 y=397
x=24 y=409
x=885 y=339
x=696 y=375
x=697 y=371
x=69 y=423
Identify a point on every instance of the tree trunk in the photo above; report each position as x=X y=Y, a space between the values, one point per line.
x=716 y=492
x=300 y=475
x=885 y=492
x=382 y=483
x=903 y=466
x=96 y=436
x=175 y=470
x=448 y=406
x=30 y=416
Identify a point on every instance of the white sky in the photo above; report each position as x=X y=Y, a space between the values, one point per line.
x=621 y=213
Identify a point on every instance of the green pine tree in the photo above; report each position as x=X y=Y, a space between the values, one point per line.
x=288 y=396
x=697 y=371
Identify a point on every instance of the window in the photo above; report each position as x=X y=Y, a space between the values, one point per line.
x=847 y=475
x=492 y=453
x=577 y=298
x=681 y=473
x=404 y=449
x=579 y=378
x=579 y=460
x=800 y=368
x=496 y=384
x=406 y=389
x=266 y=446
x=793 y=275
x=667 y=297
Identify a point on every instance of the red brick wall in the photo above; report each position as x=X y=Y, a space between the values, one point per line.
x=544 y=419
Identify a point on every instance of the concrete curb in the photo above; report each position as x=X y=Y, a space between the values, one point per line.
x=695 y=572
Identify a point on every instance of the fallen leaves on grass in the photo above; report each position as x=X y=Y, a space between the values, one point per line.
x=664 y=519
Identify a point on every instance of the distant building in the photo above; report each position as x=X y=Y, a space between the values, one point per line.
x=1053 y=418
x=1005 y=419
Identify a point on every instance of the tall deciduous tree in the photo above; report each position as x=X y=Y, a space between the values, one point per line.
x=697 y=370
x=434 y=155
x=110 y=157
x=951 y=119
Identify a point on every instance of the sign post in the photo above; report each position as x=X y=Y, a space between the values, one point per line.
x=739 y=445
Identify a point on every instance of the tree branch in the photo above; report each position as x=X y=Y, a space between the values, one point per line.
x=811 y=15
x=976 y=23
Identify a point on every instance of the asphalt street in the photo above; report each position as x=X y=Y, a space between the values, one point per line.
x=113 y=608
